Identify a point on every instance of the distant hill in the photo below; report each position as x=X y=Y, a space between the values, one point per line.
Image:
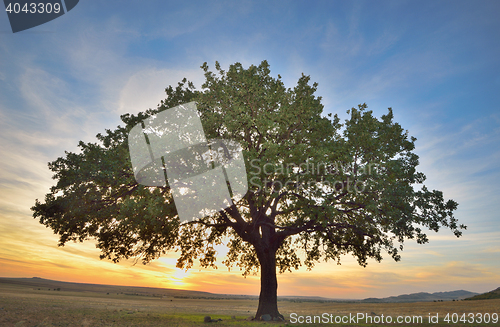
x=47 y=284
x=495 y=294
x=423 y=297
x=54 y=285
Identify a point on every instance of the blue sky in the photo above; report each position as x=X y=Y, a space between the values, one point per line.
x=434 y=62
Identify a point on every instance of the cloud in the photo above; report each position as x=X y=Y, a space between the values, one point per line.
x=145 y=88
x=460 y=158
x=454 y=272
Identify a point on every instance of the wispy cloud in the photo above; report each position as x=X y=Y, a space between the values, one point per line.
x=145 y=88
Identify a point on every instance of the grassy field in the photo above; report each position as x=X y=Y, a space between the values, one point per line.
x=26 y=306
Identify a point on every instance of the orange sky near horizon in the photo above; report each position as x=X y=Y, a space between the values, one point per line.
x=79 y=262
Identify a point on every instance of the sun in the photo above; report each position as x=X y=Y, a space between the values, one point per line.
x=178 y=277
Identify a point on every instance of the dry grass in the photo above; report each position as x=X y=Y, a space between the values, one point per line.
x=23 y=306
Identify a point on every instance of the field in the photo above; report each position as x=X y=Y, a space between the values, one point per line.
x=27 y=306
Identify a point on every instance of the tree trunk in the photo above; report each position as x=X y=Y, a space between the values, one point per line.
x=268 y=298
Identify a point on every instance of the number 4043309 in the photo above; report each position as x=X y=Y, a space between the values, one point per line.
x=477 y=318
x=33 y=8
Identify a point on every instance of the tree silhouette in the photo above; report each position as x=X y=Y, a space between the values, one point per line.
x=316 y=185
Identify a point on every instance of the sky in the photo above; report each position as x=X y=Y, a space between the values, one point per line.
x=434 y=62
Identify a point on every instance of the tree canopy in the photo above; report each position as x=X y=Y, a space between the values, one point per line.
x=318 y=188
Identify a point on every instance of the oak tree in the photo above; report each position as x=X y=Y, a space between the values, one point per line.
x=318 y=188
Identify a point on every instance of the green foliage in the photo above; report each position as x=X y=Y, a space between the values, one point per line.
x=495 y=294
x=315 y=185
